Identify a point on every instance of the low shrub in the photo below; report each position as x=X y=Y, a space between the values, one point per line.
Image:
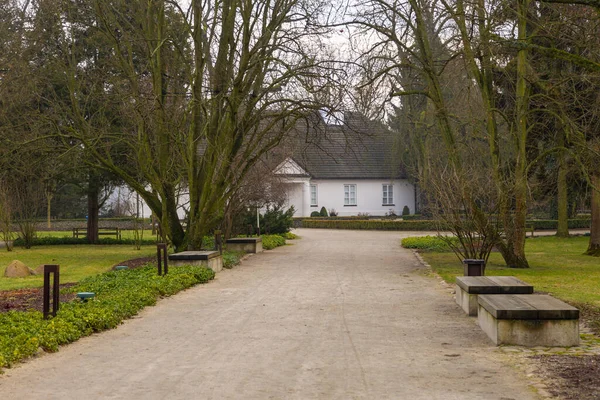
x=430 y=243
x=269 y=242
x=405 y=211
x=275 y=220
x=119 y=295
x=323 y=212
x=232 y=258
x=289 y=236
x=315 y=214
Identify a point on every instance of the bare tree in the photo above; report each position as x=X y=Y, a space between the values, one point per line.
x=188 y=96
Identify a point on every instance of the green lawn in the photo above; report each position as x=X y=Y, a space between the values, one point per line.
x=557 y=267
x=76 y=261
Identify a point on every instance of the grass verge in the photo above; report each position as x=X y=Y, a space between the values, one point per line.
x=557 y=266
x=76 y=261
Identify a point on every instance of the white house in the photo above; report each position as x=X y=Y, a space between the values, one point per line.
x=350 y=166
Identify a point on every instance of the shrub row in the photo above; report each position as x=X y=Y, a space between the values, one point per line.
x=119 y=295
x=391 y=225
x=432 y=243
x=553 y=224
x=416 y=225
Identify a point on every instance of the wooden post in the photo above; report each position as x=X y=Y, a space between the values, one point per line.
x=161 y=255
x=218 y=241
x=51 y=269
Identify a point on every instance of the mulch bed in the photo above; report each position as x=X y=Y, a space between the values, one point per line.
x=29 y=299
x=571 y=377
x=33 y=298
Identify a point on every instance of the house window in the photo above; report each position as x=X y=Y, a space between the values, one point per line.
x=349 y=195
x=388 y=195
x=313 y=196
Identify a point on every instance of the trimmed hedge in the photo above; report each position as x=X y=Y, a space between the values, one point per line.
x=372 y=224
x=416 y=225
x=119 y=295
x=553 y=224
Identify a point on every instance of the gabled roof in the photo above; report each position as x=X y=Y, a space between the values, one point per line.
x=358 y=148
x=289 y=167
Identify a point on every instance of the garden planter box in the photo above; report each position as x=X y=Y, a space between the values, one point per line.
x=248 y=245
x=209 y=259
x=528 y=320
x=468 y=288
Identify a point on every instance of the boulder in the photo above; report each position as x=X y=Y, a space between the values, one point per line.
x=16 y=269
x=38 y=271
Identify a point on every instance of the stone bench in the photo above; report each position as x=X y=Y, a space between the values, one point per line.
x=469 y=287
x=210 y=259
x=528 y=320
x=248 y=245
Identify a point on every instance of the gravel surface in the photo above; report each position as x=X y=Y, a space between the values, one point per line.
x=335 y=315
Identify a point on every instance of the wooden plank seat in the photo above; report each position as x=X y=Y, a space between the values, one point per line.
x=116 y=232
x=469 y=287
x=528 y=320
x=210 y=259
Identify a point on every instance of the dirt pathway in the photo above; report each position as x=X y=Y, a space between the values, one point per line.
x=336 y=315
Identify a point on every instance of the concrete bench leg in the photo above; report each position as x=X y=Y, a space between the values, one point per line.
x=530 y=333
x=468 y=302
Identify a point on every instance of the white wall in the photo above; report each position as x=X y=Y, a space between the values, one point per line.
x=294 y=198
x=125 y=193
x=369 y=196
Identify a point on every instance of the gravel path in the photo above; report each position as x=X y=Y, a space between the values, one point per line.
x=335 y=315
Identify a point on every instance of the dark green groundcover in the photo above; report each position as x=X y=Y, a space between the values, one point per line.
x=119 y=295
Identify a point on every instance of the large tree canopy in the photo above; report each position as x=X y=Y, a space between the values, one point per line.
x=170 y=97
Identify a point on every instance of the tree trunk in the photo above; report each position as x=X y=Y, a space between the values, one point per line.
x=562 y=198
x=93 y=193
x=49 y=213
x=514 y=249
x=594 y=246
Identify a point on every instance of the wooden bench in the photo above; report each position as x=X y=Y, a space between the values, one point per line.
x=116 y=232
x=248 y=245
x=528 y=320
x=210 y=259
x=468 y=288
x=530 y=228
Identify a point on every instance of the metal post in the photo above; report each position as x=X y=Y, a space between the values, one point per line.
x=51 y=269
x=161 y=255
x=250 y=230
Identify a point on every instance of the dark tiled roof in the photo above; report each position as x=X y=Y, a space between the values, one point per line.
x=358 y=149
